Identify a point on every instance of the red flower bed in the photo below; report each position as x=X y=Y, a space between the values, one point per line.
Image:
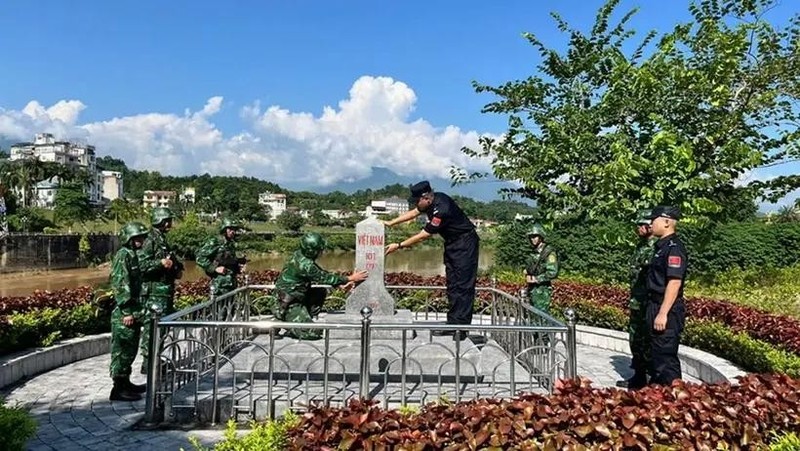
x=782 y=331
x=779 y=330
x=685 y=415
x=65 y=298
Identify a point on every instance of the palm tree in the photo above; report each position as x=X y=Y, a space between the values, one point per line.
x=787 y=213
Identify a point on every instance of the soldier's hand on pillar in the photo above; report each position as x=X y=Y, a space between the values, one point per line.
x=387 y=223
x=392 y=247
x=348 y=286
x=358 y=276
x=128 y=320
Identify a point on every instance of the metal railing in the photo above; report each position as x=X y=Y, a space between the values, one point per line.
x=225 y=358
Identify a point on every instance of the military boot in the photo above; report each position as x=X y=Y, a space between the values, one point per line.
x=135 y=388
x=121 y=391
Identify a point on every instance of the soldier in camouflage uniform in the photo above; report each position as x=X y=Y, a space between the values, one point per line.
x=218 y=258
x=160 y=268
x=128 y=313
x=638 y=328
x=540 y=270
x=298 y=301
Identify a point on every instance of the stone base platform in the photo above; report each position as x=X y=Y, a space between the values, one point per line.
x=299 y=375
x=401 y=317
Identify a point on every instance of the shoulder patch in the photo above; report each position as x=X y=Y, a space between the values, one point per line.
x=436 y=221
x=674 y=261
x=551 y=258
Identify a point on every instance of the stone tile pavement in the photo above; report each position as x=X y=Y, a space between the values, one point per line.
x=72 y=408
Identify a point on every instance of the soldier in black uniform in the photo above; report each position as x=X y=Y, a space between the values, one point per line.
x=665 y=281
x=461 y=245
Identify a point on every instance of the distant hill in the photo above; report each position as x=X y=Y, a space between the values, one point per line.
x=483 y=190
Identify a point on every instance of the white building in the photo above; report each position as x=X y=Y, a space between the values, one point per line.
x=275 y=202
x=153 y=199
x=112 y=185
x=188 y=196
x=72 y=154
x=391 y=206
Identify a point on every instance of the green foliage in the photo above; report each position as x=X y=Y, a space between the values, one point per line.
x=739 y=348
x=16 y=427
x=268 y=436
x=601 y=250
x=42 y=327
x=187 y=236
x=122 y=211
x=771 y=290
x=601 y=132
x=787 y=441
x=84 y=248
x=72 y=204
x=291 y=221
x=29 y=220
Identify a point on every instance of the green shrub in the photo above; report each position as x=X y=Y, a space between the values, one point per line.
x=43 y=327
x=16 y=427
x=788 y=441
x=739 y=348
x=601 y=250
x=268 y=436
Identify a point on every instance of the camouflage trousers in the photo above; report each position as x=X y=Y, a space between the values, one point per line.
x=221 y=284
x=167 y=306
x=302 y=310
x=540 y=297
x=639 y=339
x=124 y=344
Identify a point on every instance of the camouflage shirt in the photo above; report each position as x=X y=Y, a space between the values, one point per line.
x=126 y=282
x=639 y=262
x=215 y=250
x=300 y=272
x=543 y=264
x=157 y=279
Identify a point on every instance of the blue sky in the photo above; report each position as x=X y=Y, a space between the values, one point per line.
x=147 y=62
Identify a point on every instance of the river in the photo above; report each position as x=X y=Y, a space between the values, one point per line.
x=424 y=261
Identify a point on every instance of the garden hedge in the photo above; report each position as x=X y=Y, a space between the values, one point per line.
x=602 y=250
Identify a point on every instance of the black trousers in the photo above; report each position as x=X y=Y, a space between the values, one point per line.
x=461 y=272
x=666 y=366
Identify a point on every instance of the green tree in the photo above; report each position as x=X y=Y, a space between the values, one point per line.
x=188 y=235
x=602 y=133
x=291 y=221
x=72 y=204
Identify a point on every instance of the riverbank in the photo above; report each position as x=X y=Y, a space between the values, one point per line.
x=422 y=261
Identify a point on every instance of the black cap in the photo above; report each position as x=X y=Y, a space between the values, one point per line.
x=418 y=190
x=666 y=211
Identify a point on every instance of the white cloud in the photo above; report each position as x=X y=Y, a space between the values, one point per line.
x=370 y=128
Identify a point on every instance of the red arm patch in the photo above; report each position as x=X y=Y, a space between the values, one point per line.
x=436 y=221
x=674 y=261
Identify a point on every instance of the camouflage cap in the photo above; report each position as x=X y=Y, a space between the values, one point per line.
x=131 y=230
x=536 y=230
x=229 y=223
x=312 y=244
x=643 y=217
x=160 y=214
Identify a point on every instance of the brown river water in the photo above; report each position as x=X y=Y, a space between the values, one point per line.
x=425 y=261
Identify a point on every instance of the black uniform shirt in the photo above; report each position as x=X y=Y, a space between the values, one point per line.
x=446 y=218
x=669 y=262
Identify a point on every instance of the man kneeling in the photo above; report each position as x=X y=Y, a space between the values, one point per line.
x=298 y=301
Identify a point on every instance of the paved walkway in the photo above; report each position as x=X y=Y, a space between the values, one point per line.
x=73 y=411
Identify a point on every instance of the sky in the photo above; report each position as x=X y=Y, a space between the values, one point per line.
x=305 y=94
